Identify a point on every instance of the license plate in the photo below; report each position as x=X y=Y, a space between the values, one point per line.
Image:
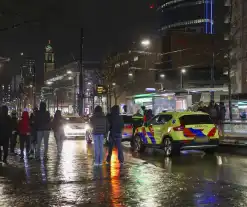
x=201 y=139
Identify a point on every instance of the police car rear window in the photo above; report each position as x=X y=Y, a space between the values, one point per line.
x=127 y=119
x=195 y=119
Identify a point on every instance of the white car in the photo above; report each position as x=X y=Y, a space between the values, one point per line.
x=75 y=127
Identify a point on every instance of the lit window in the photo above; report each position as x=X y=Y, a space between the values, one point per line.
x=170 y=3
x=187 y=23
x=125 y=62
x=135 y=58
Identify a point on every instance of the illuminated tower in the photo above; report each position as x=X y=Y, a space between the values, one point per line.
x=49 y=64
x=187 y=15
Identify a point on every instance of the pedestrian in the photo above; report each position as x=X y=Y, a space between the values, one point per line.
x=42 y=124
x=137 y=121
x=116 y=128
x=33 y=138
x=149 y=115
x=13 y=138
x=58 y=129
x=24 y=133
x=213 y=111
x=99 y=124
x=6 y=132
x=222 y=118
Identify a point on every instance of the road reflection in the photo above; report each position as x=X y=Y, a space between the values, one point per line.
x=116 y=188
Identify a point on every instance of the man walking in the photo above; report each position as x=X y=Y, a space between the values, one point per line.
x=137 y=120
x=116 y=127
x=6 y=132
x=42 y=125
x=13 y=138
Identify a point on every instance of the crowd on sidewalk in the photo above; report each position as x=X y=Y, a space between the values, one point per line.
x=32 y=130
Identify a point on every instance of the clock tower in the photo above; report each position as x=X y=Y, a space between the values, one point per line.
x=49 y=64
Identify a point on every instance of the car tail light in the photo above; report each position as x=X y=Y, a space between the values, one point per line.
x=212 y=132
x=128 y=126
x=178 y=128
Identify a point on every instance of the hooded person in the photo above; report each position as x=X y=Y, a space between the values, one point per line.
x=58 y=128
x=33 y=137
x=99 y=124
x=24 y=132
x=42 y=124
x=116 y=128
x=6 y=132
x=13 y=138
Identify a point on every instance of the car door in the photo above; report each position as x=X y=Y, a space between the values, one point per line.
x=162 y=126
x=152 y=130
x=156 y=127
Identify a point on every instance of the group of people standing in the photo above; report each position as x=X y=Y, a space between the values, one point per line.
x=216 y=111
x=101 y=125
x=31 y=130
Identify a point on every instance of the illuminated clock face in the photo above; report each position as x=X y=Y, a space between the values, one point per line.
x=48 y=48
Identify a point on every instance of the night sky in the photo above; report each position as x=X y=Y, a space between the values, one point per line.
x=109 y=25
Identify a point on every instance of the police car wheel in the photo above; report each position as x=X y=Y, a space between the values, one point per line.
x=210 y=150
x=139 y=145
x=167 y=147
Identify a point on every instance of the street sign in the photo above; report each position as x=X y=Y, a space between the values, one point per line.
x=101 y=90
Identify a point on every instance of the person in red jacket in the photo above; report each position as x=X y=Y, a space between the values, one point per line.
x=24 y=132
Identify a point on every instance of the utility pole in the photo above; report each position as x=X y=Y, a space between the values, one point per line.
x=230 y=67
x=81 y=77
x=212 y=77
x=212 y=71
x=34 y=86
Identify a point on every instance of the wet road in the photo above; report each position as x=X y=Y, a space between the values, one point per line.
x=193 y=179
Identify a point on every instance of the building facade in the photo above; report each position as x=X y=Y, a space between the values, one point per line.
x=200 y=56
x=49 y=64
x=61 y=87
x=194 y=15
x=237 y=19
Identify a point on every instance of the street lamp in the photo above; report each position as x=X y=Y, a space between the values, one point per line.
x=113 y=84
x=145 y=42
x=183 y=71
x=162 y=75
x=130 y=74
x=69 y=72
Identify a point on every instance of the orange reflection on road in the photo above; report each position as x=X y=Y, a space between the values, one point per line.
x=116 y=194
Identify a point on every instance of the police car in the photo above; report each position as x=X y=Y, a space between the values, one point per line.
x=175 y=131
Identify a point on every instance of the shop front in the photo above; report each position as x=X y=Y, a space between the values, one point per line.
x=159 y=102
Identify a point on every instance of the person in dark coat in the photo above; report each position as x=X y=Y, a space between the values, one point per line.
x=99 y=124
x=24 y=132
x=116 y=128
x=222 y=117
x=33 y=138
x=213 y=111
x=42 y=125
x=6 y=132
x=13 y=138
x=58 y=129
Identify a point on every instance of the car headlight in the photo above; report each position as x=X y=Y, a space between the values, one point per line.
x=67 y=128
x=87 y=127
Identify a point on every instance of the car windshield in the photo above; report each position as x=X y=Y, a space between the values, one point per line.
x=74 y=120
x=195 y=119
